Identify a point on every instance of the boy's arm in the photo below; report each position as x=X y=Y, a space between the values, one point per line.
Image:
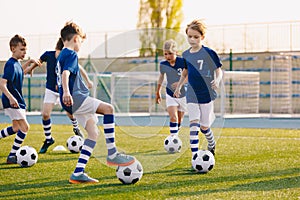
x=13 y=102
x=67 y=98
x=29 y=69
x=158 y=89
x=215 y=84
x=180 y=83
x=86 y=77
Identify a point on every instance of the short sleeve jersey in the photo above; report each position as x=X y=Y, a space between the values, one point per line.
x=201 y=66
x=51 y=79
x=173 y=74
x=68 y=60
x=13 y=73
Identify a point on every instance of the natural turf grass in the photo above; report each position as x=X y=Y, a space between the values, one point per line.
x=250 y=164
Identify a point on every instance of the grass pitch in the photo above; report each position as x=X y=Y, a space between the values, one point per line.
x=250 y=164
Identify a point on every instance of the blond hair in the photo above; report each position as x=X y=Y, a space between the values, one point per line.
x=170 y=45
x=197 y=25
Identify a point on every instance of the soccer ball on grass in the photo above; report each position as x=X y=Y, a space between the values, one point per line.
x=26 y=156
x=203 y=161
x=75 y=143
x=172 y=144
x=130 y=174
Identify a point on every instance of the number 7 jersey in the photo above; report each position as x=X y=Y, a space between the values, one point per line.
x=201 y=66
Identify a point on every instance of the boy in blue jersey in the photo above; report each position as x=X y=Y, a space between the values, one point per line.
x=13 y=102
x=204 y=75
x=75 y=99
x=51 y=97
x=172 y=67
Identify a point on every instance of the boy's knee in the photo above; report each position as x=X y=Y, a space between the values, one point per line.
x=173 y=119
x=204 y=128
x=109 y=109
x=46 y=115
x=25 y=128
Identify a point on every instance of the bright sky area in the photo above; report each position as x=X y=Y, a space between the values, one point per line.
x=32 y=17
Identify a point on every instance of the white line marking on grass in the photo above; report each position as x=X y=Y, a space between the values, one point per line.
x=255 y=137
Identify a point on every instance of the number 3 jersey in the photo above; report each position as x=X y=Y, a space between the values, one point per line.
x=173 y=74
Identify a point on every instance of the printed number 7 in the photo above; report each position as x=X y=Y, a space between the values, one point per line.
x=200 y=64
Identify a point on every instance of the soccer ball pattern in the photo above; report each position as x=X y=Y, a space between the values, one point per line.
x=203 y=161
x=130 y=174
x=26 y=156
x=172 y=144
x=75 y=143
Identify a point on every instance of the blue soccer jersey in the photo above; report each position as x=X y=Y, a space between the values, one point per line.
x=173 y=74
x=51 y=79
x=68 y=60
x=201 y=66
x=13 y=73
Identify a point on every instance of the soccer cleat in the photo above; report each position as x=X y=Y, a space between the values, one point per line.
x=11 y=160
x=121 y=160
x=78 y=132
x=82 y=178
x=46 y=145
x=212 y=150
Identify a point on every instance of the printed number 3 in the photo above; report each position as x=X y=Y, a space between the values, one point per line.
x=200 y=64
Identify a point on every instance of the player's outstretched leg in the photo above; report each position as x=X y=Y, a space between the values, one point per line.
x=114 y=157
x=210 y=139
x=12 y=159
x=49 y=139
x=79 y=176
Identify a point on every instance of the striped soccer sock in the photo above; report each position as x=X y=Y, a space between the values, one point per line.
x=7 y=132
x=194 y=138
x=173 y=128
x=209 y=137
x=47 y=128
x=17 y=143
x=75 y=123
x=109 y=133
x=85 y=154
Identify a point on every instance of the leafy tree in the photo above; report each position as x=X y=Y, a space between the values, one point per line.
x=159 y=20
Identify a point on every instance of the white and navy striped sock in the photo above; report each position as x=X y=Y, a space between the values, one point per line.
x=194 y=138
x=173 y=128
x=209 y=137
x=109 y=133
x=7 y=132
x=85 y=154
x=47 y=128
x=17 y=143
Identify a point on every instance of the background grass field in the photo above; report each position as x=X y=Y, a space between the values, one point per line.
x=250 y=164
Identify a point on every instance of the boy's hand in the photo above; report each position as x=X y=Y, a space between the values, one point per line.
x=14 y=103
x=90 y=84
x=158 y=98
x=67 y=99
x=177 y=93
x=215 y=84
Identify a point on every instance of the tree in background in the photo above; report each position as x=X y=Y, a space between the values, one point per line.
x=159 y=20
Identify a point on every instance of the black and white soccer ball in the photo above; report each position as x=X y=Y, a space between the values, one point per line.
x=130 y=174
x=75 y=143
x=172 y=144
x=26 y=156
x=203 y=161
